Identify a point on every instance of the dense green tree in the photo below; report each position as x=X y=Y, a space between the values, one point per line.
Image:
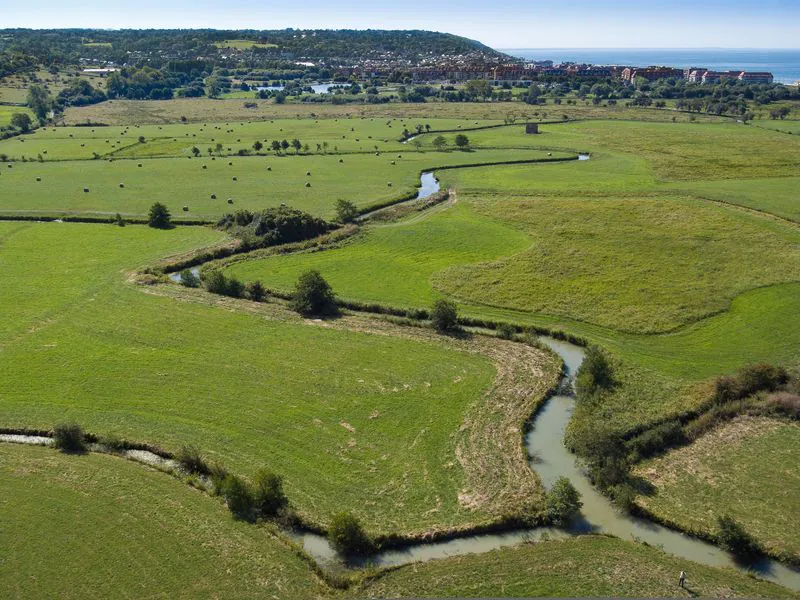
x=21 y=121
x=439 y=142
x=313 y=295
x=159 y=216
x=40 y=102
x=462 y=141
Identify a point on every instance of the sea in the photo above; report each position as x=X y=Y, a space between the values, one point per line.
x=783 y=64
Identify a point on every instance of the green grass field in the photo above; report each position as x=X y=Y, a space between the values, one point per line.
x=95 y=525
x=317 y=404
x=745 y=469
x=584 y=566
x=261 y=182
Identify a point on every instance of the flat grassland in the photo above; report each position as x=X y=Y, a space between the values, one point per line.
x=250 y=182
x=584 y=566
x=140 y=530
x=352 y=420
x=745 y=468
x=101 y=526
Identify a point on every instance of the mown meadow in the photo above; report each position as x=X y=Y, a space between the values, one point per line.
x=317 y=405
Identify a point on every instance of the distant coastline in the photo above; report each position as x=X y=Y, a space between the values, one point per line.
x=783 y=64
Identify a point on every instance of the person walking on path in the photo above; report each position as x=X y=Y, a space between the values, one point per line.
x=682 y=579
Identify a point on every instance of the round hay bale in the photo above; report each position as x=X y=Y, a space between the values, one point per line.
x=230 y=200
x=235 y=179
x=394 y=163
x=390 y=184
x=85 y=190
x=213 y=196
x=269 y=168
x=122 y=185
x=205 y=167
x=308 y=173
x=139 y=165
x=230 y=164
x=341 y=160
x=185 y=209
x=38 y=179
x=308 y=184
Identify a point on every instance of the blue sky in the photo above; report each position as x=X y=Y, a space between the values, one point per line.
x=501 y=23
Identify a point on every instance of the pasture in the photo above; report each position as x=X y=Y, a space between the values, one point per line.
x=251 y=389
x=584 y=566
x=99 y=525
x=250 y=182
x=743 y=468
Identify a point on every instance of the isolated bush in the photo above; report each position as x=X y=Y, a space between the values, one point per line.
x=348 y=536
x=269 y=495
x=595 y=373
x=256 y=291
x=444 y=316
x=159 y=216
x=69 y=437
x=191 y=461
x=346 y=211
x=733 y=537
x=189 y=279
x=313 y=295
x=216 y=283
x=238 y=496
x=563 y=502
x=234 y=288
x=462 y=141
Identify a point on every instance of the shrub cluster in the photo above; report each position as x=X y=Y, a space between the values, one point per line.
x=273 y=226
x=69 y=437
x=749 y=380
x=264 y=500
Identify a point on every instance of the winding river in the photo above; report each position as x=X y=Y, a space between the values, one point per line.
x=545 y=442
